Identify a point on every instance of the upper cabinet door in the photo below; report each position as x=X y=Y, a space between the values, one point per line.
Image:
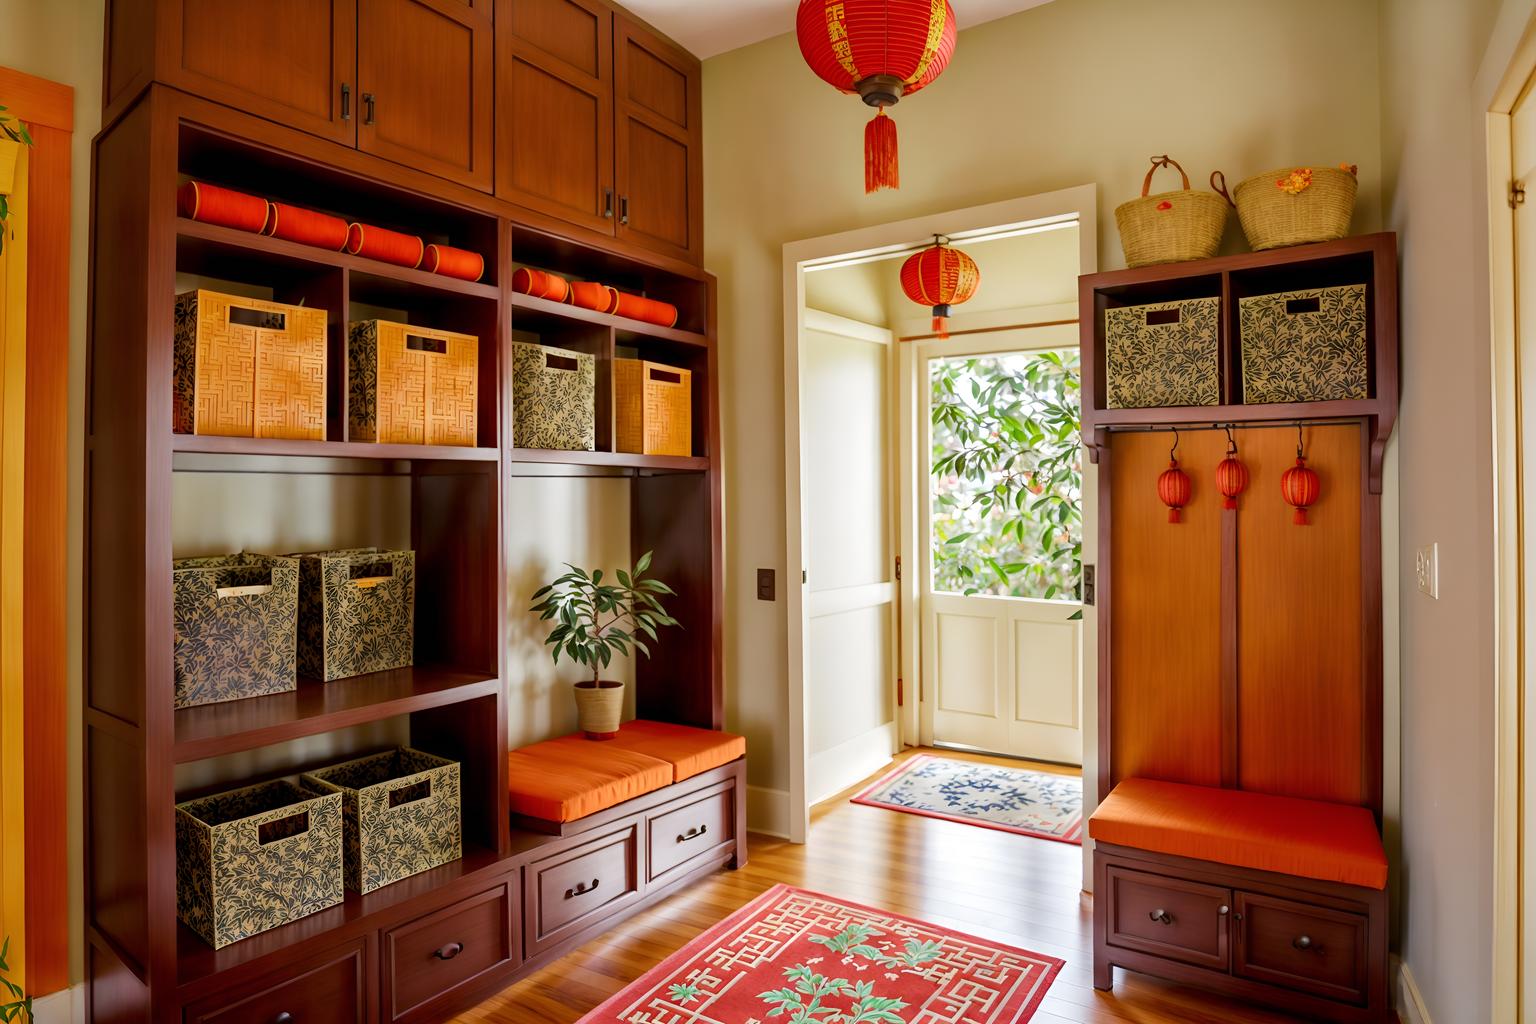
x=424 y=85
x=554 y=103
x=659 y=158
x=291 y=61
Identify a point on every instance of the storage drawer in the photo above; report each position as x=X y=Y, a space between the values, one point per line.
x=1313 y=949
x=324 y=989
x=1169 y=917
x=688 y=834
x=573 y=890
x=438 y=953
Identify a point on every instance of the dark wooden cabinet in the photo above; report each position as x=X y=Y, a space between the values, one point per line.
x=435 y=955
x=575 y=889
x=676 y=840
x=1299 y=946
x=424 y=81
x=1169 y=917
x=325 y=989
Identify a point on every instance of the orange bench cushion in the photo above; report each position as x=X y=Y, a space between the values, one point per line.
x=690 y=751
x=571 y=777
x=1306 y=838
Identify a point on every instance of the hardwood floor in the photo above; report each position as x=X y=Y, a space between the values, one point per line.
x=997 y=885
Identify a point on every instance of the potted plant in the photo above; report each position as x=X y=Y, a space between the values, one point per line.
x=594 y=622
x=13 y=135
x=19 y=1005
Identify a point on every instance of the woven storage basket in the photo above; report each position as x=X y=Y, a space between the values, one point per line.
x=599 y=708
x=412 y=385
x=653 y=405
x=256 y=858
x=1171 y=227
x=357 y=612
x=400 y=812
x=1163 y=354
x=554 y=393
x=1296 y=205
x=1305 y=346
x=235 y=618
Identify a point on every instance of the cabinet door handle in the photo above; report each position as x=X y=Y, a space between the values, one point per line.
x=1223 y=910
x=346 y=102
x=1160 y=916
x=1302 y=942
x=368 y=108
x=449 y=951
x=693 y=833
x=624 y=210
x=283 y=1018
x=581 y=889
x=608 y=203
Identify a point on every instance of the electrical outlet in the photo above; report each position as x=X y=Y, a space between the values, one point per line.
x=1429 y=570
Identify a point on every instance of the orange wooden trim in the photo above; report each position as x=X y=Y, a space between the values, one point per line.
x=37 y=101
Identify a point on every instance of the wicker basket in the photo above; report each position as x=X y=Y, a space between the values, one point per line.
x=1296 y=205
x=236 y=618
x=553 y=398
x=599 y=708
x=412 y=385
x=1163 y=354
x=1305 y=346
x=357 y=612
x=1171 y=227
x=653 y=406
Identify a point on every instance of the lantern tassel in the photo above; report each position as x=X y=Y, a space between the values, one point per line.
x=1300 y=518
x=1174 y=517
x=881 y=169
x=1229 y=501
x=941 y=327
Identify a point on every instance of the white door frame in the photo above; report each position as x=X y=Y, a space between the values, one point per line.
x=1079 y=203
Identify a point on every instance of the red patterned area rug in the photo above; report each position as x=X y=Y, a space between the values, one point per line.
x=1046 y=805
x=797 y=956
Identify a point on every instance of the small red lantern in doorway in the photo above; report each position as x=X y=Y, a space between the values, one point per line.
x=1231 y=475
x=882 y=50
x=1173 y=487
x=940 y=277
x=1300 y=485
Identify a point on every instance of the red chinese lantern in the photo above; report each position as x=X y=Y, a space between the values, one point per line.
x=1300 y=485
x=882 y=50
x=1231 y=475
x=1173 y=487
x=940 y=277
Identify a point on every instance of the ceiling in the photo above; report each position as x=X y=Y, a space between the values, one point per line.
x=710 y=27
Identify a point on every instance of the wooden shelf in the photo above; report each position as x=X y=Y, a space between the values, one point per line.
x=611 y=460
x=213 y=730
x=1286 y=412
x=530 y=313
x=214 y=445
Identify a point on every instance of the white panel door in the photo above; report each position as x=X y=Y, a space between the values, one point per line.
x=850 y=594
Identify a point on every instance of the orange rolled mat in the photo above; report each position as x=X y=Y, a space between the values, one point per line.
x=451 y=262
x=385 y=245
x=541 y=284
x=651 y=311
x=214 y=205
x=307 y=227
x=591 y=295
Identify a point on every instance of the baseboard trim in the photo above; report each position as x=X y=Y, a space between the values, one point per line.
x=1410 y=1004
x=67 y=1006
x=768 y=811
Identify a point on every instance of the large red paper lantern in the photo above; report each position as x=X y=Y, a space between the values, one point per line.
x=882 y=50
x=940 y=277
x=1300 y=487
x=1231 y=475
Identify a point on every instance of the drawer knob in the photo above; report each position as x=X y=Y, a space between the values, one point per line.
x=1223 y=910
x=581 y=889
x=693 y=833
x=1160 y=916
x=1303 y=942
x=283 y=1018
x=449 y=951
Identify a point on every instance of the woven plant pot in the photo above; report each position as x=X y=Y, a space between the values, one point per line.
x=1296 y=205
x=599 y=708
x=1172 y=227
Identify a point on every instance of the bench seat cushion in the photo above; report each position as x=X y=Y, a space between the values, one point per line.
x=689 y=751
x=1305 y=838
x=571 y=777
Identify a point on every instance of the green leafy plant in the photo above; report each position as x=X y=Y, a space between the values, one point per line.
x=20 y=1003
x=1007 y=469
x=597 y=620
x=16 y=132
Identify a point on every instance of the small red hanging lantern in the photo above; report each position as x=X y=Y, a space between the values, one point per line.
x=940 y=277
x=1173 y=487
x=1231 y=475
x=882 y=50
x=1300 y=485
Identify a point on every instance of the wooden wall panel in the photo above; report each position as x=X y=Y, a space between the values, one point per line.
x=1299 y=621
x=1165 y=647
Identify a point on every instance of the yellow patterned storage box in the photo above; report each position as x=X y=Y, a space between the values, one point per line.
x=1305 y=346
x=653 y=407
x=236 y=620
x=248 y=368
x=357 y=612
x=1163 y=354
x=554 y=395
x=400 y=814
x=256 y=858
x=411 y=385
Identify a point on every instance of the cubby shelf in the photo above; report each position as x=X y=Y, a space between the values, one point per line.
x=213 y=730
x=611 y=460
x=1285 y=412
x=207 y=444
x=533 y=313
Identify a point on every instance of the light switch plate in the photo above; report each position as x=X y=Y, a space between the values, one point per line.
x=1429 y=570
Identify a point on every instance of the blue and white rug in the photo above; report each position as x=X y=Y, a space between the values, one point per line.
x=1031 y=803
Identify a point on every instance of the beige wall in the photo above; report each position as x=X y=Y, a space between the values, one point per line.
x=1074 y=92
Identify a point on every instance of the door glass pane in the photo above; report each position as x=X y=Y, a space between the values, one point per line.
x=1007 y=474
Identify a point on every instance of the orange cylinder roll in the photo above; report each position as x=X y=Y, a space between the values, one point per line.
x=224 y=206
x=591 y=295
x=541 y=284
x=385 y=245
x=307 y=227
x=651 y=311
x=451 y=262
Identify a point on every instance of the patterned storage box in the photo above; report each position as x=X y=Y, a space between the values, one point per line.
x=256 y=858
x=1306 y=346
x=1163 y=354
x=236 y=618
x=553 y=392
x=653 y=406
x=411 y=385
x=357 y=611
x=400 y=811
x=248 y=368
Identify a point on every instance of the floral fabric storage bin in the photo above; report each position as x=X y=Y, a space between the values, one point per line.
x=412 y=385
x=400 y=814
x=357 y=612
x=256 y=858
x=553 y=398
x=1163 y=354
x=236 y=621
x=1305 y=346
